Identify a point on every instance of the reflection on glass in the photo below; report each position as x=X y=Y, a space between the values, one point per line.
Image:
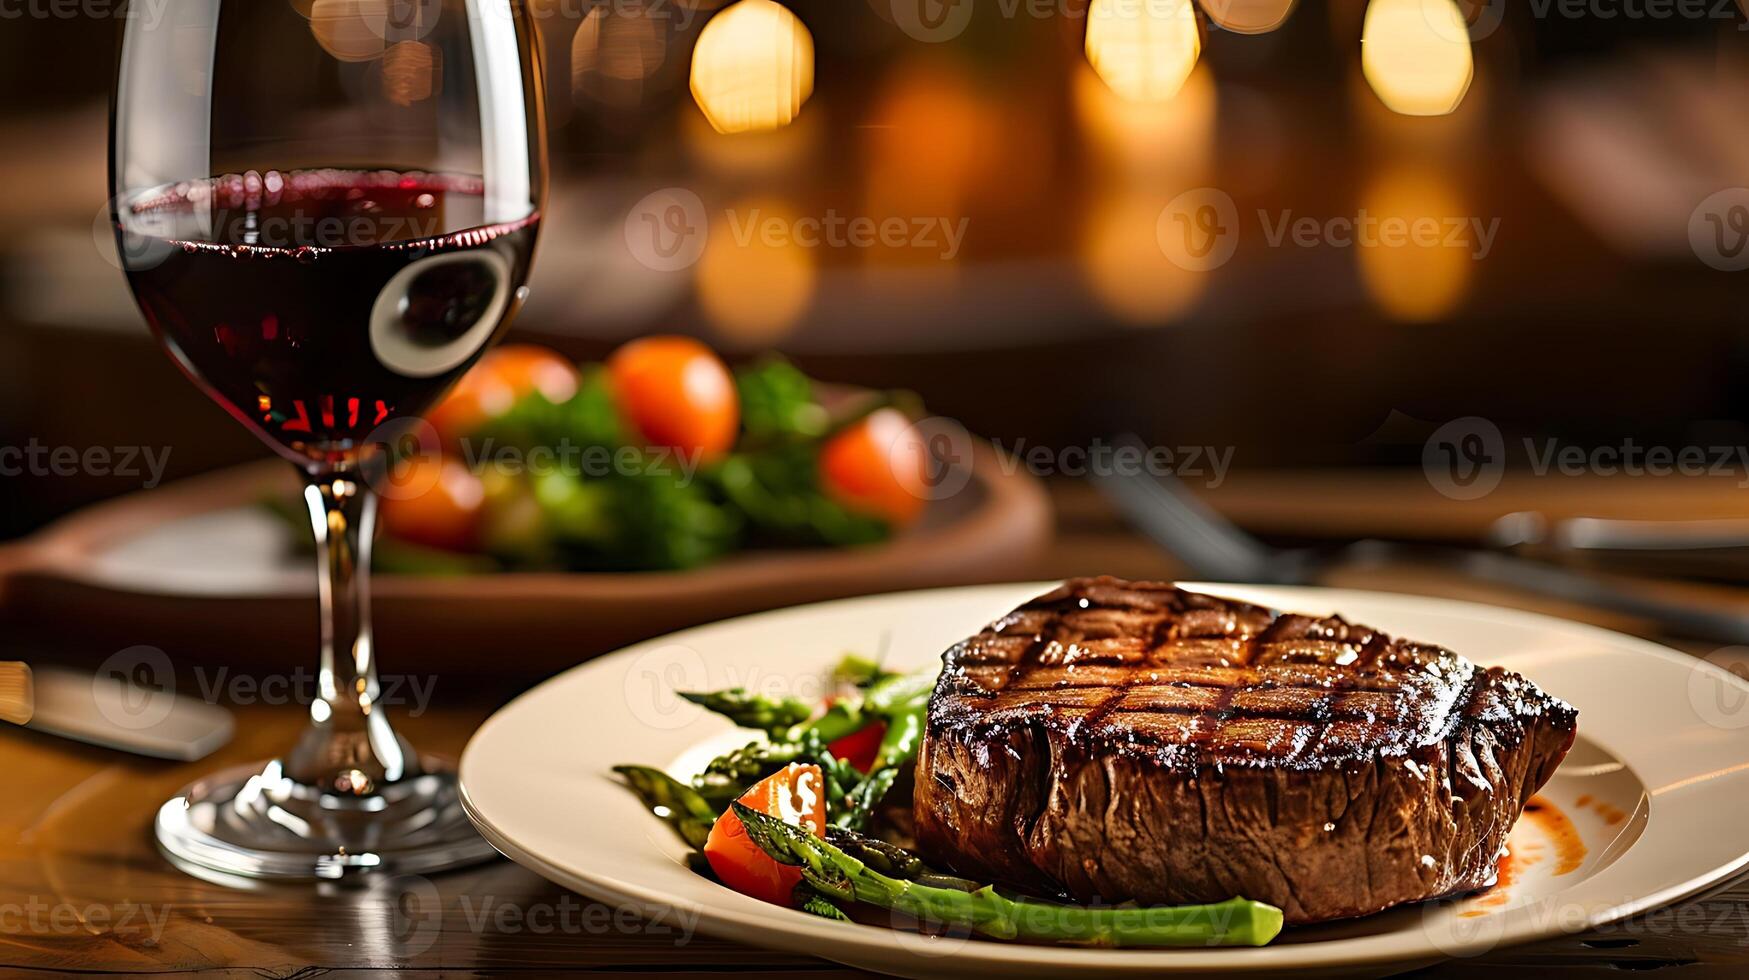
x=616 y=49
x=1416 y=55
x=1143 y=50
x=412 y=72
x=351 y=30
x=753 y=67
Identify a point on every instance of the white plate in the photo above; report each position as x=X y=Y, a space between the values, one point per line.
x=1654 y=786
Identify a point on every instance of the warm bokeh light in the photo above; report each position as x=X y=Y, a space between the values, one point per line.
x=930 y=127
x=753 y=67
x=754 y=285
x=412 y=72
x=1416 y=278
x=350 y=30
x=1123 y=265
x=1416 y=55
x=932 y=138
x=1248 y=16
x=1143 y=50
x=1149 y=139
x=778 y=154
x=613 y=53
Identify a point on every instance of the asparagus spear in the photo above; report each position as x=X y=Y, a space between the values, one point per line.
x=774 y=716
x=840 y=719
x=862 y=798
x=728 y=776
x=899 y=744
x=898 y=692
x=859 y=670
x=899 y=700
x=684 y=808
x=789 y=719
x=1235 y=922
x=893 y=860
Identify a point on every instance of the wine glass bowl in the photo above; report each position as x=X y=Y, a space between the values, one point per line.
x=327 y=213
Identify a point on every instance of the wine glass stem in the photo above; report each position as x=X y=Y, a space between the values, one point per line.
x=349 y=748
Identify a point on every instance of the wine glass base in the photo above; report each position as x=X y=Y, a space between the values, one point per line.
x=251 y=821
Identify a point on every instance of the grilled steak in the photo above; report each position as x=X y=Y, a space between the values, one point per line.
x=1117 y=741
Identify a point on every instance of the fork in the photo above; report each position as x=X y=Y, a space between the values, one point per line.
x=1214 y=548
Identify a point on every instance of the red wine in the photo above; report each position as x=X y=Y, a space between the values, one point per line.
x=317 y=305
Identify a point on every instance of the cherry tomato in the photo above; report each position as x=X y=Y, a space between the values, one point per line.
x=676 y=393
x=859 y=747
x=877 y=467
x=503 y=376
x=435 y=502
x=796 y=794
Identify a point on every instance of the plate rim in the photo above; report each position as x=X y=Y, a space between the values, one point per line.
x=732 y=921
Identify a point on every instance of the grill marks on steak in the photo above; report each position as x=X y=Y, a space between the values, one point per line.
x=1117 y=741
x=1192 y=679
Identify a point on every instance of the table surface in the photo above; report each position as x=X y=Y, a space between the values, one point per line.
x=82 y=889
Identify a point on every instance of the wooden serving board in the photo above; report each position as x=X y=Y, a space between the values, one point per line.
x=200 y=570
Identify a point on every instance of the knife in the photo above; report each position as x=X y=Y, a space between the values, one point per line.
x=113 y=714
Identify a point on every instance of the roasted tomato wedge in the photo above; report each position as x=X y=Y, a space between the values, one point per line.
x=795 y=794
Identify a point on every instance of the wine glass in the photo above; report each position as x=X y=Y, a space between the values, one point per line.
x=326 y=211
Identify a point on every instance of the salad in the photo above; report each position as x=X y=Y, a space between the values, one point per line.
x=815 y=815
x=660 y=458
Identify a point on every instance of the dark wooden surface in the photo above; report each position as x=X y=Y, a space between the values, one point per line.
x=83 y=890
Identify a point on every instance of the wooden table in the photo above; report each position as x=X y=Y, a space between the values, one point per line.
x=82 y=889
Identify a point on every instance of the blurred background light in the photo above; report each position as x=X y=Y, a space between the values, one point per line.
x=752 y=285
x=1416 y=55
x=1416 y=280
x=1144 y=139
x=614 y=52
x=753 y=67
x=1143 y=49
x=1123 y=265
x=1248 y=16
x=931 y=138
